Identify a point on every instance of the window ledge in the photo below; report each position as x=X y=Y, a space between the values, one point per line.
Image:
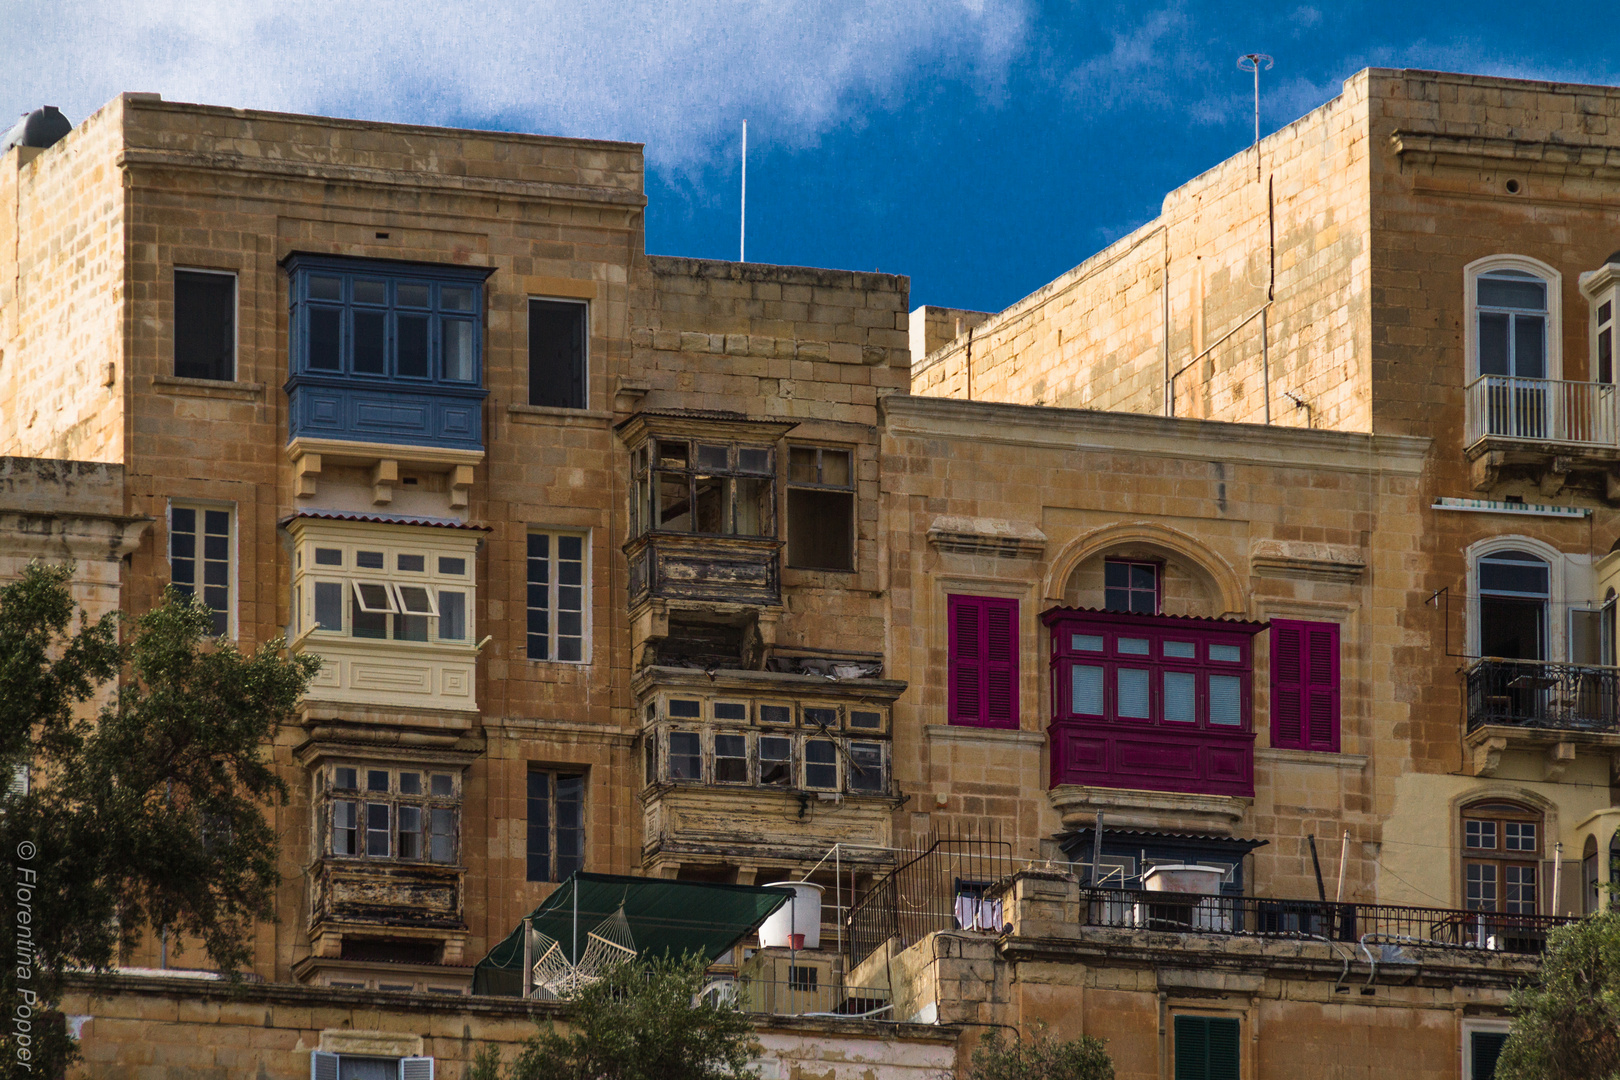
x=542 y=414
x=1311 y=757
x=964 y=733
x=208 y=388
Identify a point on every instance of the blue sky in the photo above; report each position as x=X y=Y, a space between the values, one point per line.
x=981 y=146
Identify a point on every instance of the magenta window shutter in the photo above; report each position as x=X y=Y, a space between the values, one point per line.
x=983 y=662
x=966 y=660
x=1322 y=686
x=1304 y=685
x=1001 y=663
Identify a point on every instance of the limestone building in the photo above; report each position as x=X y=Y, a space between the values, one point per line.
x=1272 y=543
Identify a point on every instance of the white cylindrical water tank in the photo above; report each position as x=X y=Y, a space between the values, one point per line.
x=799 y=916
x=1183 y=878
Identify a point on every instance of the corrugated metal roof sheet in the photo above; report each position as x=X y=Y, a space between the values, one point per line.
x=383 y=519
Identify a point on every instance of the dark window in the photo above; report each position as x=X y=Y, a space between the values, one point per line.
x=557 y=333
x=1486 y=1048
x=1206 y=1048
x=556 y=824
x=204 y=325
x=866 y=768
x=200 y=558
x=821 y=509
x=1512 y=309
x=983 y=661
x=802 y=978
x=1131 y=586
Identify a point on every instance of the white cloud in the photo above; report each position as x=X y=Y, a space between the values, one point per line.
x=679 y=75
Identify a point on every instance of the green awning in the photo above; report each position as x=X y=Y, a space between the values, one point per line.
x=666 y=918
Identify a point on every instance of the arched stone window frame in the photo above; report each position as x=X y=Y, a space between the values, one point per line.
x=1504 y=792
x=1555 y=309
x=1557 y=589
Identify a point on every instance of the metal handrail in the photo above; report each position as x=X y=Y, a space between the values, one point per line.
x=1543 y=411
x=1543 y=694
x=1352 y=923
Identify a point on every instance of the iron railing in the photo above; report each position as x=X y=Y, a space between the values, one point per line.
x=1142 y=909
x=1537 y=694
x=921 y=894
x=1543 y=411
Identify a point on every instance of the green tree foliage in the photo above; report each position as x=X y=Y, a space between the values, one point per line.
x=1041 y=1058
x=1566 y=1023
x=642 y=1021
x=149 y=815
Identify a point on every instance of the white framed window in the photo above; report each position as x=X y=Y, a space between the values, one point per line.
x=383 y=590
x=558 y=596
x=1514 y=316
x=202 y=558
x=1482 y=1045
x=1516 y=584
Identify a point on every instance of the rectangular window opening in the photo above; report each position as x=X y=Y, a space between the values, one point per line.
x=557 y=353
x=204 y=325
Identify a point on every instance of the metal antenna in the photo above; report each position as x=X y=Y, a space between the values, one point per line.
x=742 y=232
x=1253 y=62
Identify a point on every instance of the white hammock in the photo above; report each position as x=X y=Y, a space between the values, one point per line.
x=554 y=976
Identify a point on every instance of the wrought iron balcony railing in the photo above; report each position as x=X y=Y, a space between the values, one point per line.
x=1582 y=414
x=1253 y=916
x=1538 y=694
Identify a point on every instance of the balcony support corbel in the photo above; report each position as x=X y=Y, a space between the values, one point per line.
x=1560 y=756
x=1611 y=486
x=384 y=475
x=1554 y=476
x=461 y=479
x=1488 y=756
x=306 y=475
x=1485 y=469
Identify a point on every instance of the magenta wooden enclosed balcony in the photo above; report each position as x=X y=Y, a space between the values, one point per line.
x=1152 y=702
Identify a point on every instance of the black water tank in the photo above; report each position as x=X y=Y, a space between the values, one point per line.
x=42 y=127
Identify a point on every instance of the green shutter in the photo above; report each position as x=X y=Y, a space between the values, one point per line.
x=1487 y=1048
x=1192 y=1048
x=1223 y=1049
x=1207 y=1048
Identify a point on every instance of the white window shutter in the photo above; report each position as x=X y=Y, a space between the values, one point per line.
x=416 y=1068
x=19 y=779
x=323 y=1066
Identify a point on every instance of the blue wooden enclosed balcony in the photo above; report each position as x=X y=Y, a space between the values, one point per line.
x=386 y=352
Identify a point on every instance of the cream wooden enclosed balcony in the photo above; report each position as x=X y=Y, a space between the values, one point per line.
x=1550 y=429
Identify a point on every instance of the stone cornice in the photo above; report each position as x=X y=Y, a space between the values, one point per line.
x=81 y=537
x=1112 y=432
x=367 y=176
x=1534 y=156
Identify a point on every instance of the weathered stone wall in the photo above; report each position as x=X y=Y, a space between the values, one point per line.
x=168 y=1028
x=819 y=347
x=1164 y=298
x=62 y=289
x=1234 y=503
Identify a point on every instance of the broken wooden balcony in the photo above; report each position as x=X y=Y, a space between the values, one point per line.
x=1557 y=432
x=375 y=894
x=1552 y=709
x=716 y=569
